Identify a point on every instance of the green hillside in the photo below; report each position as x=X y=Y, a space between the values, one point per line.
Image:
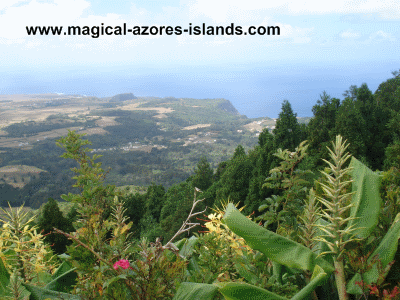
x=145 y=140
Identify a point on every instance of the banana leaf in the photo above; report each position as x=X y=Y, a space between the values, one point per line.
x=278 y=248
x=195 y=291
x=365 y=199
x=385 y=252
x=317 y=277
x=4 y=278
x=38 y=293
x=188 y=247
x=63 y=279
x=241 y=291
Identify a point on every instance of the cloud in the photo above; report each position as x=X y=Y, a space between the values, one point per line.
x=34 y=13
x=8 y=3
x=350 y=34
x=221 y=11
x=381 y=36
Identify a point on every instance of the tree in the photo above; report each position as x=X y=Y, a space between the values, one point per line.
x=287 y=129
x=239 y=152
x=154 y=200
x=387 y=94
x=351 y=93
x=262 y=159
x=352 y=126
x=376 y=120
x=51 y=217
x=134 y=204
x=235 y=179
x=321 y=127
x=203 y=177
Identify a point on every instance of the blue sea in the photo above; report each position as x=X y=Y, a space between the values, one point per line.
x=256 y=90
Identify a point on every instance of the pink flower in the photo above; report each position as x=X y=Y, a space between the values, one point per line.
x=123 y=263
x=373 y=290
x=395 y=292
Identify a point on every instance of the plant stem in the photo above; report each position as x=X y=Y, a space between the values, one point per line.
x=340 y=279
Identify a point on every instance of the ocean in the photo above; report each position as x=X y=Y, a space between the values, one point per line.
x=256 y=90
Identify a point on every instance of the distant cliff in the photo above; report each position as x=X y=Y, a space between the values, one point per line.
x=227 y=106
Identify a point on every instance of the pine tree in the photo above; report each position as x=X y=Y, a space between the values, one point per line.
x=377 y=136
x=321 y=126
x=51 y=217
x=287 y=129
x=154 y=200
x=352 y=126
x=203 y=175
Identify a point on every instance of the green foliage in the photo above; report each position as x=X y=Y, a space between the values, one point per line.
x=154 y=200
x=352 y=126
x=154 y=275
x=321 y=126
x=262 y=160
x=50 y=218
x=22 y=249
x=236 y=178
x=283 y=210
x=29 y=263
x=178 y=203
x=344 y=216
x=203 y=175
x=273 y=246
x=287 y=129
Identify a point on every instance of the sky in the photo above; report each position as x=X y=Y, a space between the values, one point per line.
x=323 y=45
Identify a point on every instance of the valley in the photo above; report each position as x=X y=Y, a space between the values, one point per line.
x=143 y=140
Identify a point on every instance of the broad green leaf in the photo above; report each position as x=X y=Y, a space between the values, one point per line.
x=110 y=282
x=188 y=247
x=193 y=266
x=64 y=281
x=317 y=278
x=243 y=291
x=195 y=291
x=385 y=252
x=64 y=267
x=277 y=271
x=274 y=246
x=366 y=199
x=4 y=277
x=179 y=244
x=242 y=267
x=38 y=293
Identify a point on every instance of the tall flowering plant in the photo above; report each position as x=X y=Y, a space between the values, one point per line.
x=108 y=264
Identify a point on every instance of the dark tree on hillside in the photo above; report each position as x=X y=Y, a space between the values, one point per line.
x=262 y=158
x=235 y=179
x=322 y=126
x=220 y=170
x=352 y=126
x=287 y=129
x=154 y=200
x=203 y=175
x=134 y=204
x=50 y=218
x=376 y=120
x=388 y=93
x=239 y=151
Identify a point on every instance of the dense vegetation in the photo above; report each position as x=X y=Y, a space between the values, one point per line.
x=323 y=202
